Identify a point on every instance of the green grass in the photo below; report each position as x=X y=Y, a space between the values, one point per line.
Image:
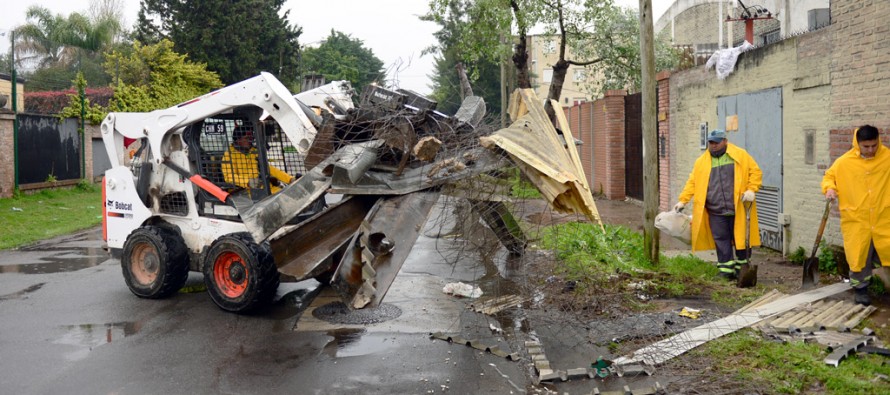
x=26 y=218
x=792 y=368
x=521 y=187
x=592 y=258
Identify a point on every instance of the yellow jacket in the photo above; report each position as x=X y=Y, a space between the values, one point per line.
x=863 y=192
x=747 y=177
x=238 y=168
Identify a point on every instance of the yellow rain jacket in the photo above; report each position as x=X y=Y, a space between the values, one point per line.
x=244 y=167
x=863 y=192
x=747 y=177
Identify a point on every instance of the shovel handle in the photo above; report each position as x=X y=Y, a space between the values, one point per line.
x=821 y=228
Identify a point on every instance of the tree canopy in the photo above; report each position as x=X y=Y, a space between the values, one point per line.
x=594 y=34
x=57 y=47
x=341 y=57
x=155 y=76
x=483 y=73
x=235 y=38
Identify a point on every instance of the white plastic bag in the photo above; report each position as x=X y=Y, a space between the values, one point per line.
x=676 y=224
x=725 y=59
x=462 y=289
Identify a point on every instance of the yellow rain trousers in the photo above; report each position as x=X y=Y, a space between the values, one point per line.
x=863 y=191
x=747 y=177
x=244 y=167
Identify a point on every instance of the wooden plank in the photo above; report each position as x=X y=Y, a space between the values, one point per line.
x=664 y=350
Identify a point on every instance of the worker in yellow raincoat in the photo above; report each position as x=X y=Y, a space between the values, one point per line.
x=860 y=181
x=240 y=165
x=722 y=180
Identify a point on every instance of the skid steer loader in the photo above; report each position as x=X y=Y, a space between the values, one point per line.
x=180 y=185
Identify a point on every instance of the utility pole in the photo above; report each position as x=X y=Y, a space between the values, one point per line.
x=650 y=135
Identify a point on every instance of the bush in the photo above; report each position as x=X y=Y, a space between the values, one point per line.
x=799 y=256
x=827 y=260
x=53 y=102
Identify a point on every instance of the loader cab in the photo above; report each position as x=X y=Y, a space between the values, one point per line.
x=239 y=153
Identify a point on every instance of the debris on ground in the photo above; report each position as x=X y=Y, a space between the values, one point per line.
x=660 y=352
x=849 y=348
x=690 y=313
x=495 y=350
x=497 y=304
x=462 y=289
x=840 y=315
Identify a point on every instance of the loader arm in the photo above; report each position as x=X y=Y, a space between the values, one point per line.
x=264 y=91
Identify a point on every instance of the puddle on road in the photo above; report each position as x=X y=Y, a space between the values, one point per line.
x=22 y=293
x=353 y=342
x=88 y=336
x=67 y=261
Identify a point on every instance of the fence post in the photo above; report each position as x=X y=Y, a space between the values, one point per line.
x=83 y=133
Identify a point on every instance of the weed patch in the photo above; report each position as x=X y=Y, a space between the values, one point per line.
x=790 y=368
x=613 y=259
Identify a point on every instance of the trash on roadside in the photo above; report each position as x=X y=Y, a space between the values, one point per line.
x=17 y=209
x=601 y=367
x=675 y=224
x=462 y=289
x=690 y=313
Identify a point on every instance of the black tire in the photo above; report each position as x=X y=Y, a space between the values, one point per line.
x=240 y=275
x=155 y=262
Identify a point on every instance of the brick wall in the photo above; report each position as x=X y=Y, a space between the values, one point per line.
x=841 y=140
x=608 y=145
x=587 y=114
x=860 y=78
x=664 y=138
x=800 y=67
x=7 y=164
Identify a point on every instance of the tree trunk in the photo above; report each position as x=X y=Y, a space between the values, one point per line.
x=559 y=76
x=650 y=133
x=520 y=60
x=465 y=89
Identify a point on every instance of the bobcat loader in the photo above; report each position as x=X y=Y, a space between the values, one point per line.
x=172 y=202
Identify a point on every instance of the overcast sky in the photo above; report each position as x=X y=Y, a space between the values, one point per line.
x=390 y=28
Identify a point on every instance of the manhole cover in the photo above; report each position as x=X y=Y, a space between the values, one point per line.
x=338 y=313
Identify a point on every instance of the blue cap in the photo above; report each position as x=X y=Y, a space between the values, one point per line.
x=716 y=136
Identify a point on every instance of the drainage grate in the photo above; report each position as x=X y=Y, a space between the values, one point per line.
x=338 y=313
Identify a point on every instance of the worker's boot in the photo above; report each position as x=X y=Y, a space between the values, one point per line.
x=726 y=270
x=737 y=266
x=861 y=296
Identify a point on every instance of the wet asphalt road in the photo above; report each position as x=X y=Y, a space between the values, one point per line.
x=70 y=325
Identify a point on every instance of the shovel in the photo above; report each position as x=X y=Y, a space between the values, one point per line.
x=748 y=272
x=811 y=265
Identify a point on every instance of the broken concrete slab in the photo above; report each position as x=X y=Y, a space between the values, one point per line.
x=664 y=350
x=849 y=348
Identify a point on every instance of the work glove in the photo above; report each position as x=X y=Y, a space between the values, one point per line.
x=831 y=194
x=748 y=196
x=679 y=206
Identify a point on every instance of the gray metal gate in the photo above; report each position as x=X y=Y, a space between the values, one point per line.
x=759 y=116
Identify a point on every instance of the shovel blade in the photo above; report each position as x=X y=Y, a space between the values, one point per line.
x=747 y=276
x=810 y=273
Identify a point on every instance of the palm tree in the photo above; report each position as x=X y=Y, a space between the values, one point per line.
x=54 y=39
x=40 y=39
